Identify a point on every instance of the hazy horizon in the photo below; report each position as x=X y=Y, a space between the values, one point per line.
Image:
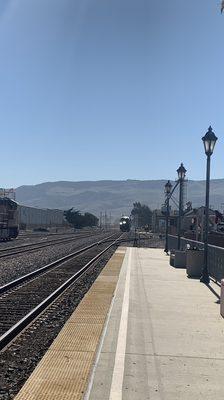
x=115 y=180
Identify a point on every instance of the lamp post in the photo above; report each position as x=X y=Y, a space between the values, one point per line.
x=209 y=141
x=168 y=187
x=181 y=171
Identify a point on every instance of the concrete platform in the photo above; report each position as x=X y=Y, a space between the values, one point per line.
x=173 y=347
x=163 y=338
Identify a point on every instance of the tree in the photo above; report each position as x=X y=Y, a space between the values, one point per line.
x=142 y=214
x=90 y=219
x=75 y=218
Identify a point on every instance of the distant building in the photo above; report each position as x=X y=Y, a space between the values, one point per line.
x=159 y=221
x=193 y=223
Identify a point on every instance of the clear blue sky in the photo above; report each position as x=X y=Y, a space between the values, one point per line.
x=99 y=89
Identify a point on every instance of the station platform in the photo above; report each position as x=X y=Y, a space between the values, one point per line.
x=143 y=331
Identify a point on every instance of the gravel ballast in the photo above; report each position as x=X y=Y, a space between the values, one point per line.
x=13 y=267
x=19 y=360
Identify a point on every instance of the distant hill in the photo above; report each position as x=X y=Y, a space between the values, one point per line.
x=116 y=197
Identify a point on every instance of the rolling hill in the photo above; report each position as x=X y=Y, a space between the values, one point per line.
x=115 y=197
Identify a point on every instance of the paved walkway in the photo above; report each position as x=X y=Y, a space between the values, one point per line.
x=164 y=338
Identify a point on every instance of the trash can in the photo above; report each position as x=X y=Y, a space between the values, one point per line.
x=194 y=263
x=172 y=258
x=180 y=259
x=222 y=299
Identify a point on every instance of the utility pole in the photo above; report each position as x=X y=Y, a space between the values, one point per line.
x=100 y=219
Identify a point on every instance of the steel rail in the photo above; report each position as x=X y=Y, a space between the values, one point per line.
x=8 y=336
x=37 y=272
x=36 y=246
x=64 y=237
x=32 y=244
x=42 y=242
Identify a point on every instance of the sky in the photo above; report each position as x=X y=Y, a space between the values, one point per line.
x=99 y=89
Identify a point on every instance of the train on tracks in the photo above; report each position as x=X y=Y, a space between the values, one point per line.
x=14 y=216
x=125 y=224
x=8 y=219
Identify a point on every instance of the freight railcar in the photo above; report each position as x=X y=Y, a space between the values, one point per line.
x=33 y=217
x=125 y=224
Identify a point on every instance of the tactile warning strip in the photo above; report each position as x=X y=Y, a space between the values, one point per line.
x=63 y=372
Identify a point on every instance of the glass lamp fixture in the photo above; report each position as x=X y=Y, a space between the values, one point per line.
x=209 y=141
x=168 y=187
x=181 y=171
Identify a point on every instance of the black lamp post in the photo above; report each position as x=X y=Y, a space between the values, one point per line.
x=168 y=188
x=181 y=171
x=209 y=141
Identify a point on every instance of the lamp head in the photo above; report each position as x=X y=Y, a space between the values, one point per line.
x=209 y=141
x=181 y=171
x=168 y=187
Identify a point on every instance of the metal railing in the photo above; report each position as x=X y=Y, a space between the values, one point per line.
x=216 y=262
x=173 y=243
x=215 y=254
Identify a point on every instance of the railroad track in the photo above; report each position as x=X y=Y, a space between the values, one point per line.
x=29 y=247
x=43 y=286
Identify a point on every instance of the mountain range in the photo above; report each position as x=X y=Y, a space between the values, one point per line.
x=115 y=197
